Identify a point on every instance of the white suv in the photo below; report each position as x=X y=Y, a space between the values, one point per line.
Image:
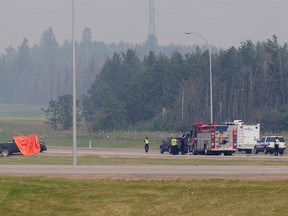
x=266 y=145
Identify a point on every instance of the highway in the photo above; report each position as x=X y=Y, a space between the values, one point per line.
x=148 y=171
x=152 y=153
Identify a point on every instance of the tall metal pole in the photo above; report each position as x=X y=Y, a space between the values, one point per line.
x=210 y=68
x=211 y=96
x=182 y=104
x=74 y=92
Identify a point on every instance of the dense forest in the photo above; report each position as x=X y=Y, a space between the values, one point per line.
x=37 y=74
x=161 y=92
x=153 y=87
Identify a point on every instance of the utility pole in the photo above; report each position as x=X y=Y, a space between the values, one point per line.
x=74 y=91
x=210 y=69
x=182 y=104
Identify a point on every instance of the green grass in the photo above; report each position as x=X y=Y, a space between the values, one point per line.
x=42 y=159
x=47 y=196
x=116 y=139
x=20 y=111
x=98 y=142
x=51 y=196
x=25 y=120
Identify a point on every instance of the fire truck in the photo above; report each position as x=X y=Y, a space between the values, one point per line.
x=247 y=135
x=213 y=139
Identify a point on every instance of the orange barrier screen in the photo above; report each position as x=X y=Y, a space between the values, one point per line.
x=28 y=145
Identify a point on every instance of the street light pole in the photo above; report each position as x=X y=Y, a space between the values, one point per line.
x=210 y=63
x=74 y=91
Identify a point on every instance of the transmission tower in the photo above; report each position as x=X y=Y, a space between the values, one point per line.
x=152 y=30
x=151 y=39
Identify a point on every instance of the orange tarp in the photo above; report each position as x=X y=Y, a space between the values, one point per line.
x=28 y=145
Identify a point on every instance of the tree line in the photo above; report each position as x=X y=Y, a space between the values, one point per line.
x=42 y=72
x=122 y=86
x=169 y=92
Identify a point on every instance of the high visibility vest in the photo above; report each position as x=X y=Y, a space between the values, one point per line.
x=174 y=142
x=146 y=141
x=277 y=142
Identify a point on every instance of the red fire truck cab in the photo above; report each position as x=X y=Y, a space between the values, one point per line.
x=213 y=139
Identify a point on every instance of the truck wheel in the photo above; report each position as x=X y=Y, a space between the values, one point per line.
x=248 y=151
x=161 y=150
x=228 y=153
x=256 y=151
x=281 y=152
x=5 y=152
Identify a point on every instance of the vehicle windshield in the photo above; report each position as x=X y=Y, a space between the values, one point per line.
x=272 y=139
x=221 y=128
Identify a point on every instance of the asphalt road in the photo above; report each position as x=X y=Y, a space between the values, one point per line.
x=139 y=169
x=152 y=153
x=147 y=171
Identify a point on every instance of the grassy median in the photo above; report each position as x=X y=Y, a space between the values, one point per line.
x=42 y=159
x=47 y=196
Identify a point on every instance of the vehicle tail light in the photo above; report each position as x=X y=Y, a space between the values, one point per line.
x=212 y=140
x=234 y=139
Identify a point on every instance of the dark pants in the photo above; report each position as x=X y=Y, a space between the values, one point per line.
x=276 y=150
x=182 y=150
x=146 y=147
x=175 y=150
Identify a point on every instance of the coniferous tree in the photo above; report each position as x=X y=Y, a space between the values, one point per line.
x=23 y=83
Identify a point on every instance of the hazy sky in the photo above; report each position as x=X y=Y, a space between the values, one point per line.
x=222 y=22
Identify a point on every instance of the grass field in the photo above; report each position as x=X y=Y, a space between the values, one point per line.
x=42 y=159
x=25 y=120
x=104 y=197
x=100 y=139
x=116 y=139
x=20 y=111
x=48 y=196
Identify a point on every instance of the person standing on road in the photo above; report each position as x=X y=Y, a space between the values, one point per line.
x=183 y=144
x=174 y=145
x=146 y=144
x=276 y=146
